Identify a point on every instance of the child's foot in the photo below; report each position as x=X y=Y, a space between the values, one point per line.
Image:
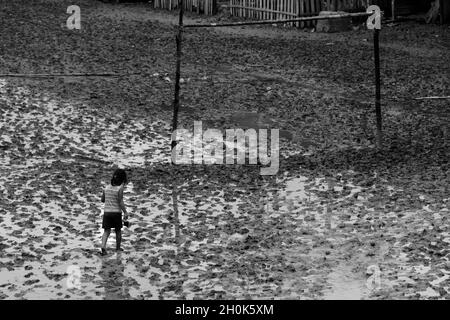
x=103 y=251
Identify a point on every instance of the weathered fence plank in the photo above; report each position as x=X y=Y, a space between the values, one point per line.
x=285 y=9
x=207 y=7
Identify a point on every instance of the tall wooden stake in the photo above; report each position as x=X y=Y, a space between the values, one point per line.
x=176 y=101
x=376 y=40
x=393 y=10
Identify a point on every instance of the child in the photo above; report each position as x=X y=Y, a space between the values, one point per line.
x=112 y=214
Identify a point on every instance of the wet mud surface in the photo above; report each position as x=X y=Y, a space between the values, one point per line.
x=337 y=215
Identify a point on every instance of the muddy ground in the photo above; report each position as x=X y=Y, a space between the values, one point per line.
x=338 y=214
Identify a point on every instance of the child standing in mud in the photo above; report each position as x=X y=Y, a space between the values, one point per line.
x=114 y=206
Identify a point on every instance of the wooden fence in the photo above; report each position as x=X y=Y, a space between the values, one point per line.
x=208 y=7
x=285 y=9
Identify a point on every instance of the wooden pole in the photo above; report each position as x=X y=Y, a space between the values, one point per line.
x=247 y=23
x=393 y=10
x=376 y=42
x=176 y=101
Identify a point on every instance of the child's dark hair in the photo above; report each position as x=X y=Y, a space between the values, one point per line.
x=119 y=177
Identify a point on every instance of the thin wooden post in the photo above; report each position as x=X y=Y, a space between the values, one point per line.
x=176 y=101
x=258 y=13
x=393 y=9
x=313 y=11
x=376 y=44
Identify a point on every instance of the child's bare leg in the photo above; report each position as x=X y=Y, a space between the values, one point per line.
x=105 y=237
x=118 y=238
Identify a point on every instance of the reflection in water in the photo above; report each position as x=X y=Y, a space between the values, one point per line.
x=112 y=273
x=176 y=220
x=180 y=277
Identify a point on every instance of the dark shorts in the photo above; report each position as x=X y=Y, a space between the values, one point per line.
x=112 y=220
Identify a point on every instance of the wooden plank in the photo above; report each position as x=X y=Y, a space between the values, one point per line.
x=308 y=11
x=313 y=9
x=285 y=9
x=295 y=10
x=302 y=12
x=248 y=23
x=274 y=8
x=261 y=14
x=272 y=15
x=273 y=4
x=252 y=12
x=258 y=14
x=279 y=6
x=263 y=5
x=291 y=10
x=269 y=11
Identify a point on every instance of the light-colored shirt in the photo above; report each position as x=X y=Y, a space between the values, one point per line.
x=112 y=199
